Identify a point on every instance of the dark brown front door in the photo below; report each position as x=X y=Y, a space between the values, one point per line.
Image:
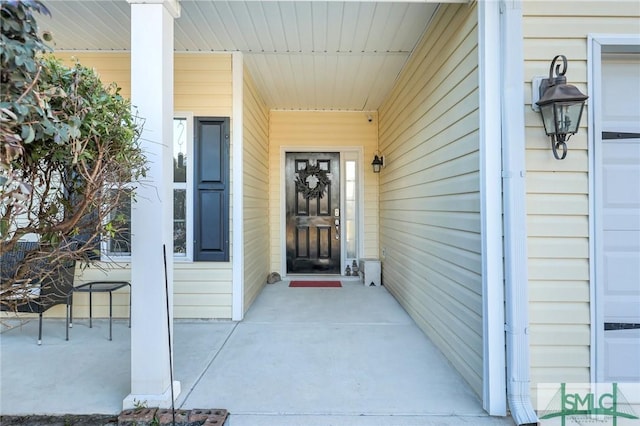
x=313 y=212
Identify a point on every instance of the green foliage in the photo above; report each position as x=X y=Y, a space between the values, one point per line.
x=98 y=123
x=20 y=104
x=69 y=145
x=44 y=103
x=81 y=163
x=139 y=405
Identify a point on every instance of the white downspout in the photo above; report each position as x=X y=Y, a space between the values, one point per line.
x=515 y=234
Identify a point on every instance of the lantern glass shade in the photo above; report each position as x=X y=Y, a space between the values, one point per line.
x=377 y=163
x=561 y=118
x=561 y=107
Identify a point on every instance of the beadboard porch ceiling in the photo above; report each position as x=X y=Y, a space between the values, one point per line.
x=303 y=55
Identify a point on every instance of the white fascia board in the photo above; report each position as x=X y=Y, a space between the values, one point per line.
x=371 y=1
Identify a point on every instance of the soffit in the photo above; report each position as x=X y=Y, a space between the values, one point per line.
x=303 y=55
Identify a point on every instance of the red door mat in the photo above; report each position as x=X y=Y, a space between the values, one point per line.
x=315 y=284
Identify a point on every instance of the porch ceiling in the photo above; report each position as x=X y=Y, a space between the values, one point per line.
x=303 y=55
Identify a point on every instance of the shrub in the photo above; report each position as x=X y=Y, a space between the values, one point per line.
x=69 y=147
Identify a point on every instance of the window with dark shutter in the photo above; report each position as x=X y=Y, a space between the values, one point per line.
x=211 y=189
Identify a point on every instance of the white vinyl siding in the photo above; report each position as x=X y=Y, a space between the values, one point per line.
x=558 y=191
x=326 y=131
x=202 y=86
x=256 y=191
x=429 y=190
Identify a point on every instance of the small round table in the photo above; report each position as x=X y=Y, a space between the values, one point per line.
x=103 y=287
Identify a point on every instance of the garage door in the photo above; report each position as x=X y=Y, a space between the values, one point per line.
x=618 y=218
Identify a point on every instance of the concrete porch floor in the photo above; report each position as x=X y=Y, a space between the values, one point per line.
x=301 y=356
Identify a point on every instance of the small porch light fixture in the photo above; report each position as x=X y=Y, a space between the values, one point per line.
x=561 y=105
x=377 y=163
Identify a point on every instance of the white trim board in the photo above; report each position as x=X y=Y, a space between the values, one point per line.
x=494 y=380
x=237 y=138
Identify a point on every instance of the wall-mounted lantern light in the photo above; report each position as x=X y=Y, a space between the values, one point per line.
x=561 y=105
x=377 y=163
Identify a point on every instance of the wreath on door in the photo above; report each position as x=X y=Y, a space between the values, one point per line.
x=312 y=182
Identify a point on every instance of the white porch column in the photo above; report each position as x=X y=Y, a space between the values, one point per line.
x=152 y=213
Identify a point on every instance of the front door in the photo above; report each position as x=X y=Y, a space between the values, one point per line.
x=313 y=212
x=618 y=220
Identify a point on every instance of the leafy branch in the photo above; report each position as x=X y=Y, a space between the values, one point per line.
x=69 y=150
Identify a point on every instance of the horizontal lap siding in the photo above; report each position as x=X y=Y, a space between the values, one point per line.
x=203 y=86
x=202 y=290
x=111 y=67
x=326 y=130
x=256 y=191
x=558 y=191
x=429 y=190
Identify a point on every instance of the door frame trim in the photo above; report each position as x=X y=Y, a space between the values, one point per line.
x=342 y=150
x=237 y=189
x=596 y=46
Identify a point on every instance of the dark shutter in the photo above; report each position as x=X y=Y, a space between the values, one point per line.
x=211 y=191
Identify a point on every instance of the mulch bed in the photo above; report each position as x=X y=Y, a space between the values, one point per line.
x=61 y=420
x=137 y=417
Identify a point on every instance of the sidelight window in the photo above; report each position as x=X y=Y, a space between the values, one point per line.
x=350 y=214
